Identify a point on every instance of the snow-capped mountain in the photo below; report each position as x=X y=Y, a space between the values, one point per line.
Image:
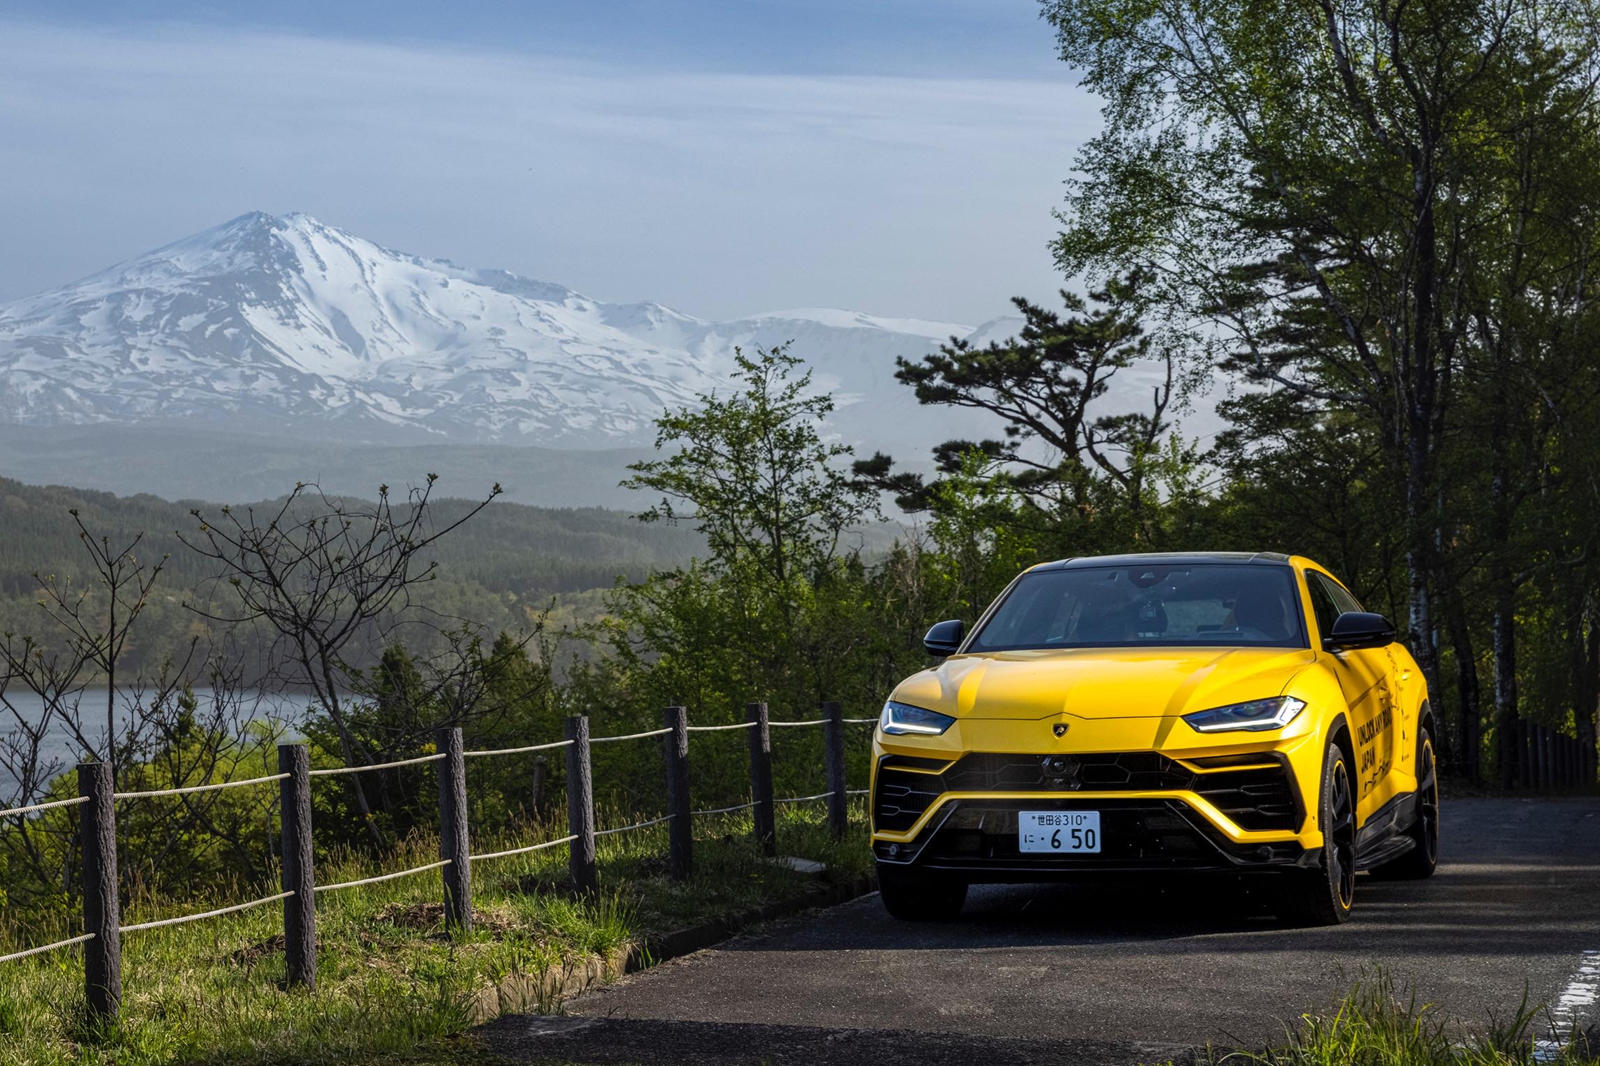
x=285 y=324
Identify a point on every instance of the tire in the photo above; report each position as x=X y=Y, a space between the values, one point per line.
x=1323 y=894
x=1423 y=858
x=917 y=896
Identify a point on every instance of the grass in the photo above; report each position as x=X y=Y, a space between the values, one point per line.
x=1376 y=1025
x=392 y=986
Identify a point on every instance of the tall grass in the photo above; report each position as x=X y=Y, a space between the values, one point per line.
x=1378 y=1025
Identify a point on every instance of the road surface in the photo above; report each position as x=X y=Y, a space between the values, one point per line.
x=1116 y=974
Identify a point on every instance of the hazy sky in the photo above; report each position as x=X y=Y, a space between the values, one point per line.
x=723 y=156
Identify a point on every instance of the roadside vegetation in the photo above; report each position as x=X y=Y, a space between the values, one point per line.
x=1380 y=1025
x=391 y=982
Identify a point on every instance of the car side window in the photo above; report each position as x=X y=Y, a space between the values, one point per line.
x=1322 y=603
x=1341 y=597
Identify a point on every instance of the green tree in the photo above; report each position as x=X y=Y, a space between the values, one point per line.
x=1070 y=475
x=1372 y=208
x=778 y=608
x=752 y=473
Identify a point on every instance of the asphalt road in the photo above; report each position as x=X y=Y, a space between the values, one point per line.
x=1111 y=974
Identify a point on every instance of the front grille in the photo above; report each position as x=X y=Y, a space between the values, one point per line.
x=1254 y=797
x=1144 y=771
x=978 y=839
x=1146 y=833
x=902 y=794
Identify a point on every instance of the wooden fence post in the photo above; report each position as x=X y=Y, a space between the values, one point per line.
x=300 y=909
x=580 y=805
x=833 y=739
x=766 y=830
x=454 y=843
x=680 y=831
x=102 y=910
x=1524 y=741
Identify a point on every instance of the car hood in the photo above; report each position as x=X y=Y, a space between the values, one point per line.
x=1101 y=682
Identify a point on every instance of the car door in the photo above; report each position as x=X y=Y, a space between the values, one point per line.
x=1366 y=679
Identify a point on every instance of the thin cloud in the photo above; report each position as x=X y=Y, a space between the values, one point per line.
x=721 y=193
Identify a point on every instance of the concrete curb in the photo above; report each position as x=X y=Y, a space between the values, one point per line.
x=542 y=993
x=684 y=941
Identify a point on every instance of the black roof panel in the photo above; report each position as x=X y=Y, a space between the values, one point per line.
x=1169 y=559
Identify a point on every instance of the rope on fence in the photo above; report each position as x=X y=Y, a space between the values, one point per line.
x=719 y=728
x=198 y=788
x=377 y=766
x=857 y=791
x=811 y=721
x=47 y=947
x=636 y=825
x=523 y=851
x=805 y=799
x=518 y=751
x=631 y=736
x=727 y=810
x=207 y=914
x=382 y=877
x=43 y=807
x=859 y=721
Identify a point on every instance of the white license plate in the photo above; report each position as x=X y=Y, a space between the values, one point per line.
x=1058 y=832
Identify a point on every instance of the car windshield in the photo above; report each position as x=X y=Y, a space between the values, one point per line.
x=1152 y=605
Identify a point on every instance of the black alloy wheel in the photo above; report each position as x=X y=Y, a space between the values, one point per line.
x=1323 y=894
x=1423 y=857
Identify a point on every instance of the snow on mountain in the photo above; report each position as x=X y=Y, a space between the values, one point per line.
x=286 y=319
x=288 y=326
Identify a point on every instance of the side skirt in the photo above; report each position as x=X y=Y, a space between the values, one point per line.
x=1384 y=836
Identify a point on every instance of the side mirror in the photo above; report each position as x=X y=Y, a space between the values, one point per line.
x=945 y=637
x=1359 y=629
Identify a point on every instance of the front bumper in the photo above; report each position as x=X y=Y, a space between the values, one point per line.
x=977 y=838
x=1223 y=806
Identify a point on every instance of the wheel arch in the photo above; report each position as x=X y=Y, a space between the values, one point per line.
x=1339 y=733
x=1425 y=720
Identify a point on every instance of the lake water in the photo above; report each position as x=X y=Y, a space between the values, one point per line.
x=62 y=747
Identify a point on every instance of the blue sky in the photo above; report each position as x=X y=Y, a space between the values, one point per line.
x=721 y=156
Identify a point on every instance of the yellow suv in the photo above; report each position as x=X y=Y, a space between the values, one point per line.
x=1147 y=713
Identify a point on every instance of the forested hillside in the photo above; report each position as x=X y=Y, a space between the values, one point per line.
x=509 y=560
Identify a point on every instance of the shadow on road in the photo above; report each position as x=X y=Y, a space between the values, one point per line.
x=1515 y=904
x=618 y=1040
x=1190 y=961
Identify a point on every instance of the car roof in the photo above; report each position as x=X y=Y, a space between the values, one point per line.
x=1168 y=559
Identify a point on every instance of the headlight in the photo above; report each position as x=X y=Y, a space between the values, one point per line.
x=900 y=718
x=1255 y=715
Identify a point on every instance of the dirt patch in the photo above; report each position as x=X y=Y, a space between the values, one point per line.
x=559 y=887
x=254 y=953
x=411 y=915
x=430 y=917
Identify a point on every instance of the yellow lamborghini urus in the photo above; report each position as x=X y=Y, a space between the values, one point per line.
x=1148 y=713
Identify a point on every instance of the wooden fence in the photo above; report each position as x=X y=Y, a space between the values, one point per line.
x=97 y=800
x=1546 y=759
